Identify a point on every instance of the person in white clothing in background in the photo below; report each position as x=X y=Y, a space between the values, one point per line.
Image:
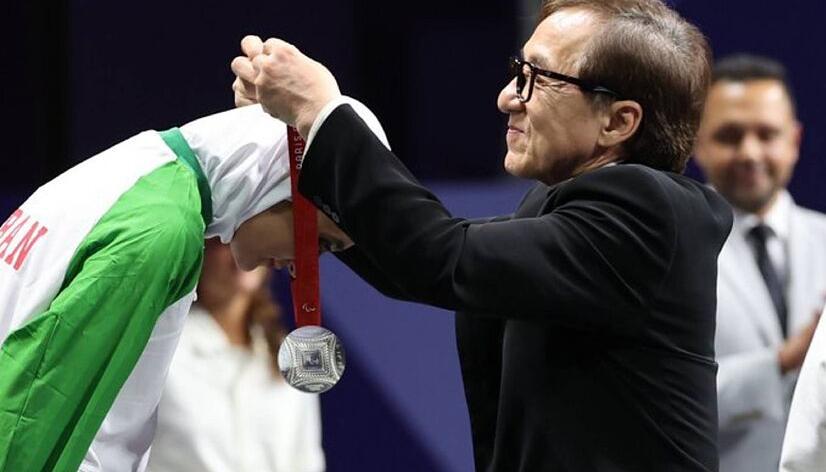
x=225 y=407
x=804 y=447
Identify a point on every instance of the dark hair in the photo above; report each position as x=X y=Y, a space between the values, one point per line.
x=746 y=67
x=648 y=53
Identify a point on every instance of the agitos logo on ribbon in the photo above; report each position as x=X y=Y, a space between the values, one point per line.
x=311 y=358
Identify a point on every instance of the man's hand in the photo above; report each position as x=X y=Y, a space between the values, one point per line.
x=289 y=85
x=794 y=350
x=244 y=90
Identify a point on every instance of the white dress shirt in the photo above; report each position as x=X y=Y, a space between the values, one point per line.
x=778 y=219
x=224 y=409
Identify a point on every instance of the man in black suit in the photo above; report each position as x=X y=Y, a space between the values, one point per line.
x=585 y=320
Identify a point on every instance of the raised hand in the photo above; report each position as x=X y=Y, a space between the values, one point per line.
x=244 y=90
x=289 y=85
x=794 y=350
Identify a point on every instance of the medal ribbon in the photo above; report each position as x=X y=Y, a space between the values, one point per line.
x=304 y=281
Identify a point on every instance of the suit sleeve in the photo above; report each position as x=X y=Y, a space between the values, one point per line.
x=606 y=243
x=749 y=388
x=370 y=272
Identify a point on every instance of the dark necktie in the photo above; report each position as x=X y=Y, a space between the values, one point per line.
x=759 y=234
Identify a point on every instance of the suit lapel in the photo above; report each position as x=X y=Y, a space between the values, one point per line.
x=805 y=287
x=739 y=270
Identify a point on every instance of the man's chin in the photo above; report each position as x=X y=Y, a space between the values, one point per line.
x=753 y=201
x=515 y=164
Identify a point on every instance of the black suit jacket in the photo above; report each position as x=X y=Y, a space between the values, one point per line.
x=585 y=321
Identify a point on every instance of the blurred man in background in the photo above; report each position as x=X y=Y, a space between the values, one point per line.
x=772 y=270
x=225 y=407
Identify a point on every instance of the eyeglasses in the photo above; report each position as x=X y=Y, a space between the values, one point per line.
x=522 y=69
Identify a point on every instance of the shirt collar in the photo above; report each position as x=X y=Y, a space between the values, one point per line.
x=209 y=339
x=206 y=334
x=778 y=218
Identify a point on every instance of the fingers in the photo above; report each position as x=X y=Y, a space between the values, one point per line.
x=252 y=46
x=244 y=93
x=258 y=54
x=273 y=45
x=245 y=71
x=244 y=68
x=259 y=62
x=243 y=87
x=287 y=84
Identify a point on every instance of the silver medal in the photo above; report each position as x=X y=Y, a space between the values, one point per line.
x=311 y=359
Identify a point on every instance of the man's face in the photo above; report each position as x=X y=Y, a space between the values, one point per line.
x=555 y=132
x=266 y=239
x=748 y=142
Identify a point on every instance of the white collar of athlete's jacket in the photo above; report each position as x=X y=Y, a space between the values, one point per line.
x=243 y=153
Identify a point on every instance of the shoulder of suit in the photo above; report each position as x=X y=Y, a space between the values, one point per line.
x=812 y=217
x=658 y=192
x=627 y=171
x=640 y=190
x=634 y=179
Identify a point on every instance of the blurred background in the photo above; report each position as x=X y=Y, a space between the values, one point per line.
x=79 y=76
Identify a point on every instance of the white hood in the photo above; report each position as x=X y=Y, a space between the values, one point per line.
x=244 y=156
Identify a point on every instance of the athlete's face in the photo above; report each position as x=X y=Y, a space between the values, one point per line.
x=221 y=279
x=266 y=239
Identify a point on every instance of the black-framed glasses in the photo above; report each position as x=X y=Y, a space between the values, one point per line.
x=524 y=69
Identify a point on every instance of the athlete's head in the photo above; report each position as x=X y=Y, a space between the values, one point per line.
x=245 y=158
x=266 y=239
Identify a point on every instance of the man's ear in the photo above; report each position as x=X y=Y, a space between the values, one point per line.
x=623 y=118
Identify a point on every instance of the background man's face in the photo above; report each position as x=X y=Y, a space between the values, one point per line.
x=748 y=142
x=552 y=134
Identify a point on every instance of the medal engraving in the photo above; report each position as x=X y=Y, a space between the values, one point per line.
x=311 y=359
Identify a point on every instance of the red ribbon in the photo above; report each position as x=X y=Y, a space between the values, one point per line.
x=304 y=283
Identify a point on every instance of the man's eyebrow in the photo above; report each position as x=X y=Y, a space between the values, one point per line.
x=538 y=61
